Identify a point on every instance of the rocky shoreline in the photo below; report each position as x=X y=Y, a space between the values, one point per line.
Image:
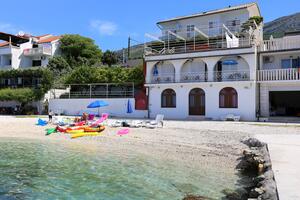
x=257 y=178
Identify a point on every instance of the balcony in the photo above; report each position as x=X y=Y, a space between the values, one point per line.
x=280 y=44
x=292 y=74
x=40 y=51
x=197 y=39
x=194 y=77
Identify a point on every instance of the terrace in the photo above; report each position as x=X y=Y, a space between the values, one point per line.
x=197 y=39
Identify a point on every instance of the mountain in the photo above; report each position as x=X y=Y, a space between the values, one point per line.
x=279 y=26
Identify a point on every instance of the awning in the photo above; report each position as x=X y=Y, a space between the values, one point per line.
x=13 y=38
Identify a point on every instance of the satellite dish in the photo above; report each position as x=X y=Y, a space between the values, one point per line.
x=21 y=33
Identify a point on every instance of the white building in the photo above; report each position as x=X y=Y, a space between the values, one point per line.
x=208 y=65
x=20 y=52
x=23 y=52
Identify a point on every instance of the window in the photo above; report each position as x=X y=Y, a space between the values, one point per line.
x=36 y=63
x=168 y=99
x=190 y=30
x=212 y=25
x=290 y=63
x=228 y=98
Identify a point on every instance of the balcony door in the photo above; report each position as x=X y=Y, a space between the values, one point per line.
x=197 y=102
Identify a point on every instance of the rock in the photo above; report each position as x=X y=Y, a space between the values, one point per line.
x=238 y=194
x=192 y=197
x=253 y=142
x=256 y=192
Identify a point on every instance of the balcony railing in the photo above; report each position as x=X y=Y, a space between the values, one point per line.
x=221 y=76
x=38 y=51
x=175 y=46
x=163 y=78
x=193 y=77
x=197 y=39
x=217 y=76
x=279 y=74
x=280 y=44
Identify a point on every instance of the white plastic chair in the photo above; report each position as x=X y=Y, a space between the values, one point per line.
x=158 y=122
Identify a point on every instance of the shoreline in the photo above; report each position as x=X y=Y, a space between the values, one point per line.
x=197 y=145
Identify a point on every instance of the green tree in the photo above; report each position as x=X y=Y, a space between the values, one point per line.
x=250 y=23
x=109 y=58
x=21 y=95
x=80 y=50
x=59 y=66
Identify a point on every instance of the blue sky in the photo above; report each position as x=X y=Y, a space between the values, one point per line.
x=110 y=22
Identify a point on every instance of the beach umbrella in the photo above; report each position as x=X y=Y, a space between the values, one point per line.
x=98 y=104
x=129 y=107
x=229 y=62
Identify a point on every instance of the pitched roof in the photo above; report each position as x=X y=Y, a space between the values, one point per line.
x=49 y=39
x=230 y=8
x=41 y=36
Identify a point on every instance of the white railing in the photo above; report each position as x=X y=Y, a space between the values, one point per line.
x=279 y=74
x=163 y=78
x=280 y=44
x=228 y=75
x=5 y=50
x=38 y=51
x=193 y=77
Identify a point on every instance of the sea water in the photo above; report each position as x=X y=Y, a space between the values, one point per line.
x=45 y=170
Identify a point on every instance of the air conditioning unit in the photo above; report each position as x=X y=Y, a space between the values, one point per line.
x=268 y=59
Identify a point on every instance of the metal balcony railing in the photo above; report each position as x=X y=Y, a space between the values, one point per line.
x=188 y=77
x=197 y=39
x=222 y=76
x=193 y=77
x=163 y=78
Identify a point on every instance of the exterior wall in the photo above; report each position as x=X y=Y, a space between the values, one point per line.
x=276 y=59
x=246 y=100
x=203 y=22
x=265 y=88
x=116 y=108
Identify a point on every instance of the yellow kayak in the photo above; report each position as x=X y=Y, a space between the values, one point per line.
x=77 y=135
x=75 y=131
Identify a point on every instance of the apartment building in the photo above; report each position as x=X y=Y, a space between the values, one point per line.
x=209 y=65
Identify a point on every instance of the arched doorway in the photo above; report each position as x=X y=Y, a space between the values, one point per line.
x=197 y=102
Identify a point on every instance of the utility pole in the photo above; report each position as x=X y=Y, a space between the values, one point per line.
x=128 y=49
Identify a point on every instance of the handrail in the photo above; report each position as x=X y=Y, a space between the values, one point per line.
x=280 y=44
x=279 y=74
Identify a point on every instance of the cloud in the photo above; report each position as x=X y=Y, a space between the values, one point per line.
x=104 y=27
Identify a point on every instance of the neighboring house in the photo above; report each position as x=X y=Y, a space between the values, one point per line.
x=20 y=52
x=24 y=52
x=278 y=76
x=207 y=66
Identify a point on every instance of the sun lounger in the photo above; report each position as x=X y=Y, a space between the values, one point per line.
x=232 y=117
x=158 y=122
x=101 y=120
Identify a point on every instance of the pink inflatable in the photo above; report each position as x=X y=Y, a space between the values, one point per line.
x=123 y=132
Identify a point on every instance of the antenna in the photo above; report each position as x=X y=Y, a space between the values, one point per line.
x=21 y=33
